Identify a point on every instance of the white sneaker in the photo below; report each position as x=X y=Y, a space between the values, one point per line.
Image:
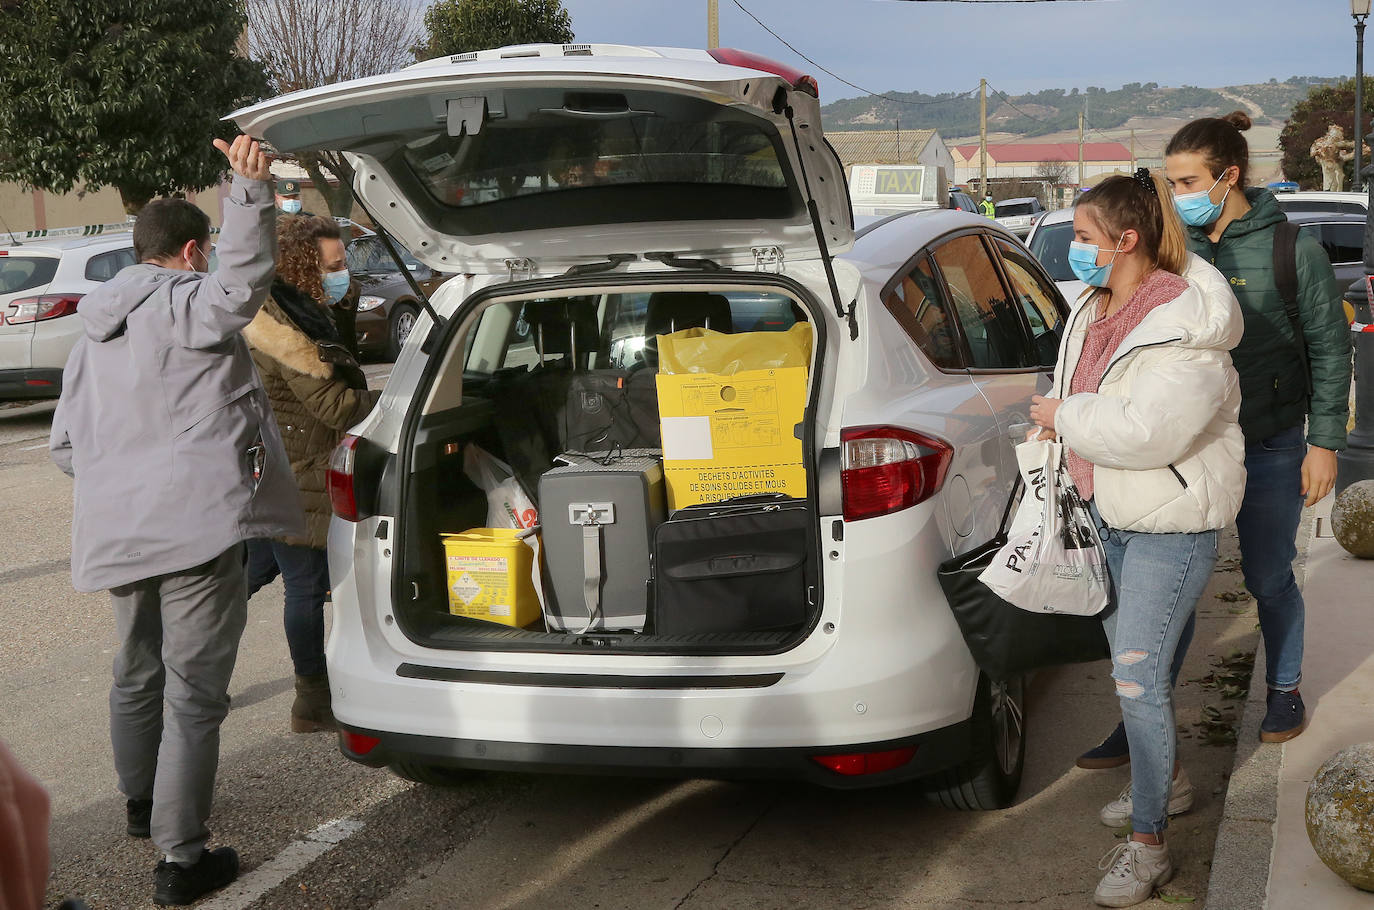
x=1134 y=871
x=1118 y=812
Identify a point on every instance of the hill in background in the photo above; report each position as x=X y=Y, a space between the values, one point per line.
x=1056 y=110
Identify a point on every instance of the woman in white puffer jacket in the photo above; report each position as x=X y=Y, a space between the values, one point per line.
x=1146 y=403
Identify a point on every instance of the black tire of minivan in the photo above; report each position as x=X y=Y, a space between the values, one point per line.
x=991 y=776
x=430 y=774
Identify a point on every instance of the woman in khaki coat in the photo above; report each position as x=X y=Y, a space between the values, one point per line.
x=317 y=392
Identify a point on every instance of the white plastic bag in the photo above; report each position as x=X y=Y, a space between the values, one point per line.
x=1053 y=561
x=508 y=506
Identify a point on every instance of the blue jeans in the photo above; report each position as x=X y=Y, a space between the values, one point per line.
x=1158 y=579
x=305 y=572
x=1268 y=528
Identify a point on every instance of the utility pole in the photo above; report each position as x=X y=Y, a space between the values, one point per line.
x=1080 y=151
x=983 y=134
x=1132 y=151
x=713 y=23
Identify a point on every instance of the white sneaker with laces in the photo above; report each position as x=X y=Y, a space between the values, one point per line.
x=1118 y=812
x=1134 y=871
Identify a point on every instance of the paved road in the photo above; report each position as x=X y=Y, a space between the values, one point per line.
x=316 y=831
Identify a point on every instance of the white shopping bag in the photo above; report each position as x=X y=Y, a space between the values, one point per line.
x=508 y=505
x=1053 y=561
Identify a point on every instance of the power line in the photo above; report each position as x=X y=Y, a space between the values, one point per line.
x=837 y=76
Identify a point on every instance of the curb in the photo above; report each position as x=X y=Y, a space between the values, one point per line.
x=1243 y=853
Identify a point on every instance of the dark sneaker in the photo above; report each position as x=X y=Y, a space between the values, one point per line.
x=140 y=815
x=1112 y=753
x=175 y=884
x=1284 y=717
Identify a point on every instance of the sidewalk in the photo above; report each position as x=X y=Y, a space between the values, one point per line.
x=1263 y=857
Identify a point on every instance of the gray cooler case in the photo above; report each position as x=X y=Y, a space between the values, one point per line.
x=598 y=514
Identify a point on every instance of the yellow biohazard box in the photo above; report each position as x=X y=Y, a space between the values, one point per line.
x=490 y=576
x=728 y=436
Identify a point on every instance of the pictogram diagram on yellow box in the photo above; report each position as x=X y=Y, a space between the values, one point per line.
x=728 y=436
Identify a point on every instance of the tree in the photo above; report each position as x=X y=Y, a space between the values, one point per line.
x=1055 y=173
x=113 y=93
x=460 y=26
x=1323 y=106
x=309 y=43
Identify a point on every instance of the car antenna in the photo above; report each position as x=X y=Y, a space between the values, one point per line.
x=13 y=239
x=396 y=257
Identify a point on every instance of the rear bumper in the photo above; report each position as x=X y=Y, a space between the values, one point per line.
x=30 y=383
x=936 y=750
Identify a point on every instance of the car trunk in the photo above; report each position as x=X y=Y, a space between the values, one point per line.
x=513 y=376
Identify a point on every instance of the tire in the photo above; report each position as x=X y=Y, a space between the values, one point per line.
x=431 y=775
x=991 y=776
x=403 y=316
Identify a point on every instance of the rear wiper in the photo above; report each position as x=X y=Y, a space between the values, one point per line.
x=401 y=266
x=613 y=261
x=673 y=260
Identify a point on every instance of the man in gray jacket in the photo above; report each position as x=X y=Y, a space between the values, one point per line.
x=177 y=460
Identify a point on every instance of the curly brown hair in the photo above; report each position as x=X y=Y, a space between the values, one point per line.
x=298 y=251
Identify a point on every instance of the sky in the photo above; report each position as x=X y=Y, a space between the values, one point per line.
x=933 y=47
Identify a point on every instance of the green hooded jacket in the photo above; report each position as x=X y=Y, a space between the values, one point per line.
x=1273 y=389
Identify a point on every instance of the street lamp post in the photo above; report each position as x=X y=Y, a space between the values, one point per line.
x=1356 y=461
x=1359 y=11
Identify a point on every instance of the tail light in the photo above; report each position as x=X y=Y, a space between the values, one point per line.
x=37 y=309
x=795 y=77
x=342 y=463
x=853 y=764
x=887 y=469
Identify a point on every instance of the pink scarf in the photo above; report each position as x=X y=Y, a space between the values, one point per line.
x=1104 y=338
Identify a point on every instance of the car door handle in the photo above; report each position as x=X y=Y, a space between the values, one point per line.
x=1018 y=431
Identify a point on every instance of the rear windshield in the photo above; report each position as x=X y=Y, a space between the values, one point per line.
x=24 y=273
x=1050 y=246
x=1015 y=208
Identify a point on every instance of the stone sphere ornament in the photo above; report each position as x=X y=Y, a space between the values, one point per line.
x=1352 y=519
x=1340 y=814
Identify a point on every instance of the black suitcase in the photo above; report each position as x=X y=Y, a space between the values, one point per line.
x=738 y=566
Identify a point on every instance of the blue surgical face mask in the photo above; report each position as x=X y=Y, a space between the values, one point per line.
x=1198 y=209
x=291 y=206
x=1083 y=261
x=335 y=285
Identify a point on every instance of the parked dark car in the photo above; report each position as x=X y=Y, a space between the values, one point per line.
x=387 y=308
x=1342 y=236
x=962 y=201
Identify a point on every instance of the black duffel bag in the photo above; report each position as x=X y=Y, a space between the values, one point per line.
x=1005 y=640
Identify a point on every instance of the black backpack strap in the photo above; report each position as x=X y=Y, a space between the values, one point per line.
x=1286 y=278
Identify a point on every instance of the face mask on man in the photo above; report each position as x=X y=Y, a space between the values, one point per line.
x=335 y=285
x=191 y=262
x=291 y=206
x=1198 y=209
x=1083 y=261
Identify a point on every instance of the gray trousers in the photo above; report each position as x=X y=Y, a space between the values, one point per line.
x=179 y=637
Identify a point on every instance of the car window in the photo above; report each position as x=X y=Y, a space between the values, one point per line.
x=996 y=337
x=1038 y=301
x=1343 y=241
x=24 y=273
x=1016 y=208
x=920 y=307
x=367 y=254
x=1050 y=247
x=107 y=265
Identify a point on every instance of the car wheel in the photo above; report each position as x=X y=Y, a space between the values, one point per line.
x=403 y=317
x=431 y=775
x=990 y=777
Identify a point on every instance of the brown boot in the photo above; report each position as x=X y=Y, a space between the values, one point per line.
x=310 y=712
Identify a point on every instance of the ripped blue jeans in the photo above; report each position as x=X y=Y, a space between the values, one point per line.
x=1158 y=579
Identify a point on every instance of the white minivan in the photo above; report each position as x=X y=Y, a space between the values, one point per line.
x=649 y=190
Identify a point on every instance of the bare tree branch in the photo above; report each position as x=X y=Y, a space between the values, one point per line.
x=308 y=43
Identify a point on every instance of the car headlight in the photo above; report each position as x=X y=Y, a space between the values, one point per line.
x=369 y=302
